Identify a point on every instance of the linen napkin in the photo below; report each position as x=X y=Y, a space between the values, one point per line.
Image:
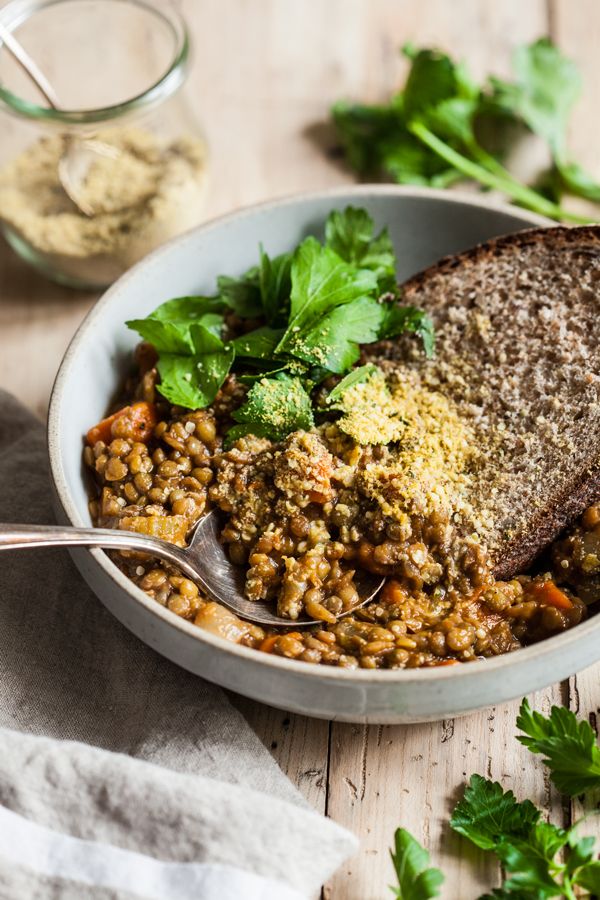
x=122 y=775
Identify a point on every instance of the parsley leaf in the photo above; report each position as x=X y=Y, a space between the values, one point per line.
x=356 y=376
x=546 y=88
x=502 y=893
x=435 y=79
x=168 y=326
x=543 y=94
x=588 y=877
x=274 y=407
x=242 y=294
x=428 y=133
x=275 y=285
x=376 y=139
x=319 y=303
x=259 y=343
x=487 y=813
x=569 y=747
x=527 y=847
x=399 y=319
x=193 y=382
x=531 y=859
x=332 y=342
x=416 y=880
x=321 y=280
x=581 y=851
x=351 y=234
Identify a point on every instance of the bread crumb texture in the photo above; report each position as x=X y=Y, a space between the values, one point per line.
x=517 y=352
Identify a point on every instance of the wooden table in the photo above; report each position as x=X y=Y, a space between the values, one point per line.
x=265 y=74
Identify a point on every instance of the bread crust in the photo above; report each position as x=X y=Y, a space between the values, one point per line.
x=560 y=236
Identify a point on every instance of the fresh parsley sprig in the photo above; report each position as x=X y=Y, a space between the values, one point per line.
x=416 y=879
x=540 y=859
x=429 y=132
x=568 y=746
x=314 y=307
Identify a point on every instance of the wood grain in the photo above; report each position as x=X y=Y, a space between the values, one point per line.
x=264 y=76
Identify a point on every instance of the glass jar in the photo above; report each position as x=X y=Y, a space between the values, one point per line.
x=117 y=67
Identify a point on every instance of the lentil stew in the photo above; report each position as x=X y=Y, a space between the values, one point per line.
x=326 y=452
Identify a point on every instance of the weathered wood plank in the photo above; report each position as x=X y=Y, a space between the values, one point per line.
x=299 y=745
x=411 y=776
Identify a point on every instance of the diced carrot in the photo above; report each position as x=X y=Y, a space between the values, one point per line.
x=268 y=643
x=318 y=497
x=446 y=662
x=548 y=594
x=136 y=423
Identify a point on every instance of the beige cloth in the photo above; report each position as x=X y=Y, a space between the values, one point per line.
x=181 y=801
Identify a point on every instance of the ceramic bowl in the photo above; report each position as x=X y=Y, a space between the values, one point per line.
x=424 y=226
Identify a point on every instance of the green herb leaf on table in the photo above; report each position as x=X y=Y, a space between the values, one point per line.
x=487 y=814
x=502 y=893
x=531 y=860
x=530 y=850
x=588 y=877
x=376 y=140
x=429 y=134
x=494 y=820
x=416 y=879
x=546 y=88
x=274 y=408
x=435 y=79
x=543 y=93
x=581 y=851
x=568 y=746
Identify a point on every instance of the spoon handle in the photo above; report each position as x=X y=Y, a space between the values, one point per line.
x=20 y=56
x=23 y=537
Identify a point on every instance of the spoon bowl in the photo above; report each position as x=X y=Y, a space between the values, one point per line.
x=204 y=561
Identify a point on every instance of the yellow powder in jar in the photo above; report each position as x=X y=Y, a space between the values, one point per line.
x=150 y=193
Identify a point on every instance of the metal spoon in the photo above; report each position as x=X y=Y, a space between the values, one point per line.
x=204 y=561
x=79 y=154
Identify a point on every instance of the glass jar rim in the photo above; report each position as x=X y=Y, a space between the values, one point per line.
x=18 y=11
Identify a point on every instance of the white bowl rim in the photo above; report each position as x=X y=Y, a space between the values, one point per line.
x=315 y=673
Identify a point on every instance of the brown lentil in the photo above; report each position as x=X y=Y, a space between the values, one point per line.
x=299 y=516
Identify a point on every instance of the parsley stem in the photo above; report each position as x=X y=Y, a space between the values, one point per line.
x=567 y=889
x=500 y=179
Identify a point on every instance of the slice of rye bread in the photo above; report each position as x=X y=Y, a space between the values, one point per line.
x=517 y=324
